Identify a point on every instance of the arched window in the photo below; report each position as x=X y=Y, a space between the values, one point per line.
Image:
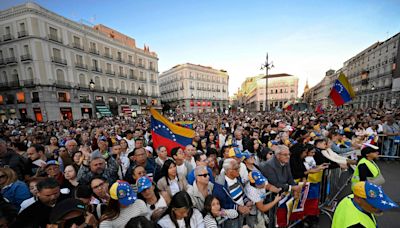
x=15 y=75
x=60 y=75
x=29 y=74
x=97 y=82
x=82 y=80
x=133 y=87
x=122 y=86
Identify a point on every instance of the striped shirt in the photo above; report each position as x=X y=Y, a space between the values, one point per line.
x=235 y=190
x=211 y=222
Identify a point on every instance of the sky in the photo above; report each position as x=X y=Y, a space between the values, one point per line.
x=303 y=38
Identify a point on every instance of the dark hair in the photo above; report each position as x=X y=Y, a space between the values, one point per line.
x=47 y=183
x=156 y=192
x=97 y=177
x=318 y=141
x=180 y=200
x=211 y=151
x=83 y=191
x=38 y=147
x=7 y=211
x=197 y=156
x=140 y=222
x=207 y=205
x=112 y=211
x=174 y=151
x=262 y=154
x=164 y=170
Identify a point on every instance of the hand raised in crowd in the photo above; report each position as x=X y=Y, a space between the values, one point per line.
x=278 y=198
x=244 y=210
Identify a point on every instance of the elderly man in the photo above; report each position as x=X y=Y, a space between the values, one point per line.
x=98 y=165
x=139 y=157
x=277 y=170
x=190 y=151
x=202 y=187
x=71 y=146
x=229 y=190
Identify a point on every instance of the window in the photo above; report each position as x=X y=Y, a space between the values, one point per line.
x=77 y=40
x=124 y=100
x=26 y=49
x=56 y=53
x=60 y=76
x=151 y=66
x=11 y=52
x=79 y=59
x=84 y=98
x=92 y=45
x=1 y=55
x=121 y=70
x=119 y=55
x=140 y=62
x=29 y=74
x=35 y=97
x=108 y=67
x=82 y=80
x=20 y=97
x=130 y=59
x=22 y=27
x=94 y=63
x=131 y=72
x=8 y=30
x=63 y=97
x=53 y=32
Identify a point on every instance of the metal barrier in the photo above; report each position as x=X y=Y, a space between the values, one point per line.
x=388 y=147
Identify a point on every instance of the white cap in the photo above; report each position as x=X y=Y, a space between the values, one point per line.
x=149 y=148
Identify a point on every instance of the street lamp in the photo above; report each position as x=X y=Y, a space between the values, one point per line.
x=139 y=92
x=267 y=66
x=91 y=87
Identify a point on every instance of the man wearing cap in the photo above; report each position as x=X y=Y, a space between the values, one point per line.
x=359 y=209
x=367 y=169
x=52 y=169
x=71 y=212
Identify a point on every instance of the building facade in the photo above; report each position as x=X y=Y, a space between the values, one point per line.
x=52 y=68
x=195 y=88
x=281 y=89
x=374 y=75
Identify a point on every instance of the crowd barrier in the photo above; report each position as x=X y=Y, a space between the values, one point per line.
x=333 y=184
x=387 y=144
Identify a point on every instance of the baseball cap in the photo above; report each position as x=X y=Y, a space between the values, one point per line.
x=374 y=195
x=235 y=152
x=149 y=148
x=103 y=138
x=123 y=192
x=51 y=162
x=255 y=177
x=64 y=207
x=246 y=154
x=369 y=149
x=143 y=183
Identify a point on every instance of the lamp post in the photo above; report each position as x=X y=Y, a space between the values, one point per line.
x=91 y=87
x=267 y=66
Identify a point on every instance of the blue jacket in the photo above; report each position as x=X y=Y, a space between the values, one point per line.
x=190 y=177
x=221 y=191
x=16 y=193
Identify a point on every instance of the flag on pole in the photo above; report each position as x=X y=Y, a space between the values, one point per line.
x=342 y=91
x=165 y=133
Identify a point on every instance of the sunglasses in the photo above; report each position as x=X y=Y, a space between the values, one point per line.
x=203 y=175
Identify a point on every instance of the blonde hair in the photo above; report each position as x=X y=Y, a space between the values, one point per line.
x=10 y=174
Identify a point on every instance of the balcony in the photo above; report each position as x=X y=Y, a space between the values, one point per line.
x=110 y=72
x=2 y=62
x=191 y=87
x=81 y=66
x=119 y=59
x=22 y=33
x=13 y=84
x=132 y=77
x=97 y=69
x=108 y=56
x=59 y=60
x=29 y=83
x=55 y=38
x=122 y=75
x=77 y=46
x=27 y=57
x=130 y=63
x=154 y=81
x=63 y=99
x=94 y=51
x=110 y=89
x=141 y=66
x=11 y=60
x=7 y=37
x=63 y=84
x=86 y=101
x=142 y=80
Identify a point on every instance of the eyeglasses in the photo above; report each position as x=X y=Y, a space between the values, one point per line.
x=203 y=175
x=98 y=186
x=270 y=153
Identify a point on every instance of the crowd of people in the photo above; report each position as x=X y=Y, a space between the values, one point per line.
x=239 y=166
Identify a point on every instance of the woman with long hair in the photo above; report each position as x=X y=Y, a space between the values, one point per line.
x=122 y=206
x=156 y=201
x=181 y=214
x=51 y=146
x=170 y=182
x=14 y=190
x=214 y=214
x=71 y=180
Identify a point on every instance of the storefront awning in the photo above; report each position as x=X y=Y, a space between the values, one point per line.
x=103 y=110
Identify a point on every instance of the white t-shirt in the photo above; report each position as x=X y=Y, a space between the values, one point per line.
x=174 y=186
x=182 y=170
x=136 y=209
x=131 y=143
x=310 y=163
x=196 y=221
x=255 y=195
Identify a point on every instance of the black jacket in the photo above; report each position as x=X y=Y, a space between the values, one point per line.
x=15 y=162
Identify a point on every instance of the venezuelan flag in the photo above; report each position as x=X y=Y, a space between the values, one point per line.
x=342 y=91
x=186 y=124
x=165 y=133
